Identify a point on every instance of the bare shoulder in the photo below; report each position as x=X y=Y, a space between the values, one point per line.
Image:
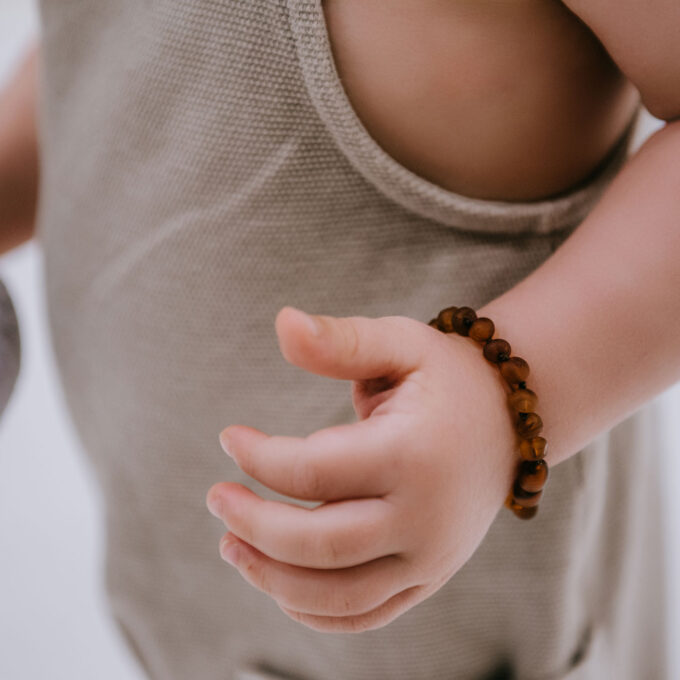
x=643 y=38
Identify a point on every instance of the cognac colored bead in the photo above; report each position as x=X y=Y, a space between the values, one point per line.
x=522 y=513
x=434 y=323
x=482 y=329
x=463 y=319
x=523 y=498
x=495 y=349
x=532 y=475
x=526 y=513
x=445 y=318
x=524 y=400
x=530 y=426
x=533 y=449
x=514 y=370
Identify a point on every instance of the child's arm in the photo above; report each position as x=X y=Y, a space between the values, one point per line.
x=599 y=322
x=643 y=39
x=421 y=476
x=18 y=156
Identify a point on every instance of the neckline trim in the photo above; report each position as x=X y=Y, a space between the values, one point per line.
x=412 y=191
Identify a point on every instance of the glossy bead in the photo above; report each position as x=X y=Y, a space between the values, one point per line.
x=530 y=426
x=482 y=329
x=523 y=401
x=495 y=350
x=526 y=513
x=514 y=370
x=463 y=319
x=533 y=449
x=532 y=475
x=445 y=319
x=523 y=498
x=434 y=323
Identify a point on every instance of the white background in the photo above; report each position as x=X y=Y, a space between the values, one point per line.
x=54 y=620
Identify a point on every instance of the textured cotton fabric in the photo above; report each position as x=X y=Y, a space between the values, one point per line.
x=202 y=168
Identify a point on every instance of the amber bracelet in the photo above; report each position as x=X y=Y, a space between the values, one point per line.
x=532 y=469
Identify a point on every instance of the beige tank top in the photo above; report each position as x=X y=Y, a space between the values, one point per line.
x=202 y=168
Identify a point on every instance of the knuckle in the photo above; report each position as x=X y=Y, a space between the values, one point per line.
x=330 y=549
x=344 y=546
x=257 y=574
x=365 y=537
x=237 y=522
x=358 y=624
x=307 y=478
x=405 y=324
x=348 y=601
x=340 y=603
x=351 y=340
x=307 y=547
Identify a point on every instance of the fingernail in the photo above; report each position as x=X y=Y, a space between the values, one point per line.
x=215 y=506
x=229 y=550
x=225 y=443
x=312 y=323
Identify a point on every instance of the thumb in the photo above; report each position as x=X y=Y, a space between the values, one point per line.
x=351 y=347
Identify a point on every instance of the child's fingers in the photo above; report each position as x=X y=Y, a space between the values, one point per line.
x=330 y=536
x=352 y=347
x=375 y=618
x=344 y=461
x=334 y=592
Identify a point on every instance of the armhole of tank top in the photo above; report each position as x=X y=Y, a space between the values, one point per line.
x=410 y=190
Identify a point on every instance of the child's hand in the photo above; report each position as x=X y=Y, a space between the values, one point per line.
x=411 y=489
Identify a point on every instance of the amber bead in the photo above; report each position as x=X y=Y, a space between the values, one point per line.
x=533 y=449
x=526 y=513
x=524 y=498
x=514 y=370
x=482 y=329
x=445 y=318
x=463 y=319
x=497 y=351
x=434 y=323
x=532 y=475
x=530 y=426
x=523 y=401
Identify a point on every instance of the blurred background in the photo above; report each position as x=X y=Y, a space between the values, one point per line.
x=54 y=620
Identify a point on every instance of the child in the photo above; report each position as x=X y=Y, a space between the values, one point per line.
x=209 y=169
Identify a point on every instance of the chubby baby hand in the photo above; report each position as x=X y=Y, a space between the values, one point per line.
x=407 y=492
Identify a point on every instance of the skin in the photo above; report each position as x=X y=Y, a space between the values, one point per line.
x=364 y=556
x=18 y=156
x=598 y=322
x=497 y=99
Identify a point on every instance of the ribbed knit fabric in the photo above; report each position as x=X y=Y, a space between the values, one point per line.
x=202 y=168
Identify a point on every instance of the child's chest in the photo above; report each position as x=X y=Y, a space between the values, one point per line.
x=505 y=99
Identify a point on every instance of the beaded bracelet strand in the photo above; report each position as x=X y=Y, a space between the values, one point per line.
x=532 y=470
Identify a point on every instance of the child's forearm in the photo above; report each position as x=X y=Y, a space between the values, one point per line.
x=599 y=321
x=18 y=156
